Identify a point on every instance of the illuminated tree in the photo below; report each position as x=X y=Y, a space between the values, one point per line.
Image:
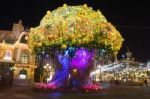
x=75 y=27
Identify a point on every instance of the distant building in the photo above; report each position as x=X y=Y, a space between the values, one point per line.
x=17 y=63
x=10 y=36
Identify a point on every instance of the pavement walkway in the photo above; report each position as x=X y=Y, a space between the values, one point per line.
x=27 y=92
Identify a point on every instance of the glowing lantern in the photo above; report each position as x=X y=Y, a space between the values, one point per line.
x=64 y=46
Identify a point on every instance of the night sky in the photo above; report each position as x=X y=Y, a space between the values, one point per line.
x=131 y=18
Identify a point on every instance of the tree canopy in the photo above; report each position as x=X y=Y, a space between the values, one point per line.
x=75 y=26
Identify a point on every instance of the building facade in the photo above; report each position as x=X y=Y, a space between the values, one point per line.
x=17 y=63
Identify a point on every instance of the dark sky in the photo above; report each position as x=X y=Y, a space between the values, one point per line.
x=131 y=18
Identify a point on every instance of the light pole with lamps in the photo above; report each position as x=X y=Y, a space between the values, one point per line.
x=47 y=68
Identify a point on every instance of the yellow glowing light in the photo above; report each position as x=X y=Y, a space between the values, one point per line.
x=64 y=46
x=75 y=25
x=74 y=70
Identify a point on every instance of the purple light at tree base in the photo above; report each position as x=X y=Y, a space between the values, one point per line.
x=80 y=62
x=60 y=77
x=82 y=59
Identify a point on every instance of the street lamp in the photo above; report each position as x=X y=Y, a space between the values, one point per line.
x=100 y=74
x=47 y=68
x=123 y=56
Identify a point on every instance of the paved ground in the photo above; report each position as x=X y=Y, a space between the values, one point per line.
x=26 y=92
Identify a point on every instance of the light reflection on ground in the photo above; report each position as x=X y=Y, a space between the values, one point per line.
x=119 y=92
x=56 y=94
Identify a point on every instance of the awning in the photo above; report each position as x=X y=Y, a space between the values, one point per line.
x=6 y=61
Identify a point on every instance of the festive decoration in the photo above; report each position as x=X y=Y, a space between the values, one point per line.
x=75 y=25
x=60 y=77
x=82 y=59
x=74 y=33
x=64 y=46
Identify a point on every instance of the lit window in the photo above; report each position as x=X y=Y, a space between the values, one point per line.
x=24 y=58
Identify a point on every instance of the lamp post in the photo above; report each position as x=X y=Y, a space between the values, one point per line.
x=100 y=74
x=47 y=68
